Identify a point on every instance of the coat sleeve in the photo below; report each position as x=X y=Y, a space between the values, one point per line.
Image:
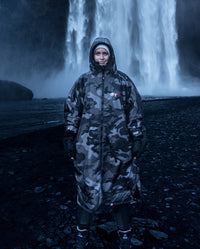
x=73 y=107
x=134 y=113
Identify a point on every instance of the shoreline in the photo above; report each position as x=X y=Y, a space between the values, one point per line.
x=58 y=120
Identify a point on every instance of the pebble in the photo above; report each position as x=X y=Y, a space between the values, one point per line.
x=136 y=242
x=52 y=212
x=145 y=222
x=61 y=235
x=169 y=198
x=38 y=190
x=67 y=230
x=60 y=179
x=166 y=189
x=50 y=242
x=172 y=229
x=61 y=224
x=158 y=235
x=11 y=173
x=63 y=207
x=68 y=202
x=108 y=227
x=164 y=218
x=41 y=238
x=186 y=240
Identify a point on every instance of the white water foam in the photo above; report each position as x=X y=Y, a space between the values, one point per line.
x=152 y=46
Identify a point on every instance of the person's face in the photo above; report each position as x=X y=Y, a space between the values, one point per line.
x=101 y=56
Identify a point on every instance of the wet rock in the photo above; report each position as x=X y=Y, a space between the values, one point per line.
x=41 y=238
x=166 y=189
x=40 y=215
x=186 y=240
x=68 y=202
x=173 y=229
x=144 y=222
x=11 y=173
x=63 y=207
x=39 y=190
x=52 y=213
x=11 y=91
x=164 y=218
x=61 y=235
x=169 y=198
x=50 y=242
x=108 y=231
x=67 y=230
x=58 y=193
x=136 y=242
x=158 y=235
x=109 y=227
x=61 y=179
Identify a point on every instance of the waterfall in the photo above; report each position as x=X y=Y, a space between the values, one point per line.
x=112 y=21
x=142 y=32
x=156 y=51
x=75 y=32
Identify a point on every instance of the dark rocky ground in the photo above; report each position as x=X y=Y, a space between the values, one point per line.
x=38 y=193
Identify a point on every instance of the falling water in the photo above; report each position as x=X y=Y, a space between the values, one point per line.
x=143 y=34
x=76 y=32
x=156 y=51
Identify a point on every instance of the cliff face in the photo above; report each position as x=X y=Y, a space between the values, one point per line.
x=11 y=91
x=32 y=36
x=187 y=16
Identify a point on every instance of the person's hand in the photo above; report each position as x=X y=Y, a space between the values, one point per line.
x=69 y=145
x=137 y=148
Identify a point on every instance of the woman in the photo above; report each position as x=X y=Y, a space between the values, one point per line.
x=103 y=134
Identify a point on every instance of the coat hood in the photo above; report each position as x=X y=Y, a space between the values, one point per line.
x=94 y=66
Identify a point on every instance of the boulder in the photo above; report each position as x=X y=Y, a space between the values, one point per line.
x=10 y=91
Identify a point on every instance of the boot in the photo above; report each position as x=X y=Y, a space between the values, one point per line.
x=124 y=239
x=82 y=238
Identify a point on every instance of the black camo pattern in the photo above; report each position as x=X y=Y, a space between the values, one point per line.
x=104 y=109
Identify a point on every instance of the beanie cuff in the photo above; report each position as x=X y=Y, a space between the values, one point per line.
x=103 y=46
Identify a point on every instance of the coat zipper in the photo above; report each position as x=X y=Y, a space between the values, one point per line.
x=102 y=122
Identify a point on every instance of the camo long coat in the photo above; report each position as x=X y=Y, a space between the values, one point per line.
x=103 y=108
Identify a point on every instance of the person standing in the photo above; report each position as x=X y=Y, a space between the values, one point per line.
x=104 y=133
